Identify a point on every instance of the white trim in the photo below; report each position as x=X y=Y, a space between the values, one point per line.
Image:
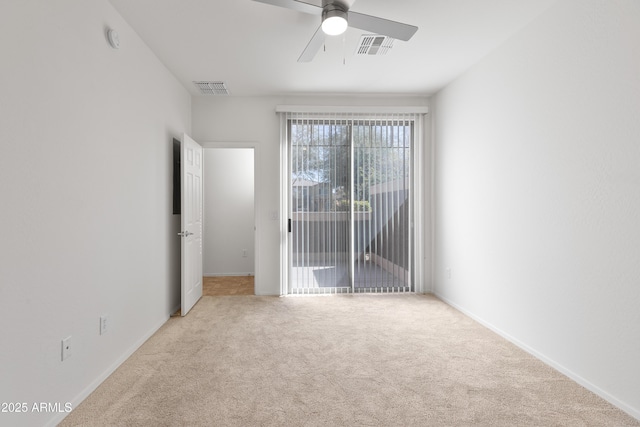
x=230 y=144
x=321 y=109
x=256 y=200
x=634 y=412
x=245 y=274
x=432 y=201
x=417 y=216
x=284 y=207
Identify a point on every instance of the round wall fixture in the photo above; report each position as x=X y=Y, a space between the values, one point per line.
x=114 y=39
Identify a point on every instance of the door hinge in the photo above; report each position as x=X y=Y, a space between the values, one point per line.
x=289 y=225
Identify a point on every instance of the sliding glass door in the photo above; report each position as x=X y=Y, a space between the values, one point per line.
x=350 y=204
x=320 y=154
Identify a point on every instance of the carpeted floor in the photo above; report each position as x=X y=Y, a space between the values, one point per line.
x=363 y=360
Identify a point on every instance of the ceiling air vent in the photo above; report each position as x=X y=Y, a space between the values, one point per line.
x=373 y=44
x=212 y=88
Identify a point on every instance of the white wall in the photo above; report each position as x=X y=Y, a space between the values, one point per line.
x=85 y=183
x=224 y=119
x=228 y=212
x=537 y=193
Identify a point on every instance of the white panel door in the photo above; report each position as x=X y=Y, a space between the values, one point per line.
x=191 y=169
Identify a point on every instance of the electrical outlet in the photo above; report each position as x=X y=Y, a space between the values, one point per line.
x=66 y=348
x=103 y=324
x=448 y=273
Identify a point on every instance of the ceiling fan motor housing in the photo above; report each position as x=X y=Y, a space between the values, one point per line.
x=334 y=16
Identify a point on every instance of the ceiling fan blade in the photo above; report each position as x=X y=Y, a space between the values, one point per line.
x=313 y=46
x=295 y=5
x=384 y=27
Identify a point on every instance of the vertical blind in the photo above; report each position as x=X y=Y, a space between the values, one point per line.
x=350 y=201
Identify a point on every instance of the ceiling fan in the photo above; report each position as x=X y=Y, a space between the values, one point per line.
x=336 y=17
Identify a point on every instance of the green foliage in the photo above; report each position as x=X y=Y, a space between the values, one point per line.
x=358 y=206
x=321 y=153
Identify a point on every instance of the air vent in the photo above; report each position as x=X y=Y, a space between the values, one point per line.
x=373 y=44
x=212 y=88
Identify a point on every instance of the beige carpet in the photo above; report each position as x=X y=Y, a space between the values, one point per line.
x=364 y=360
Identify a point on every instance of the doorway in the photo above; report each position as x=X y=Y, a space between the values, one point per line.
x=350 y=205
x=229 y=237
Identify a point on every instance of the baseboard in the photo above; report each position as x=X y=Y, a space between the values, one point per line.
x=110 y=370
x=634 y=412
x=227 y=274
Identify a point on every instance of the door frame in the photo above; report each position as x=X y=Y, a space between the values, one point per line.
x=256 y=199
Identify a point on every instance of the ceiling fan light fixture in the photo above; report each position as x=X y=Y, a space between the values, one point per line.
x=334 y=21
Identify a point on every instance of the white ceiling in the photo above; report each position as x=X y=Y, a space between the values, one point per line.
x=253 y=47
